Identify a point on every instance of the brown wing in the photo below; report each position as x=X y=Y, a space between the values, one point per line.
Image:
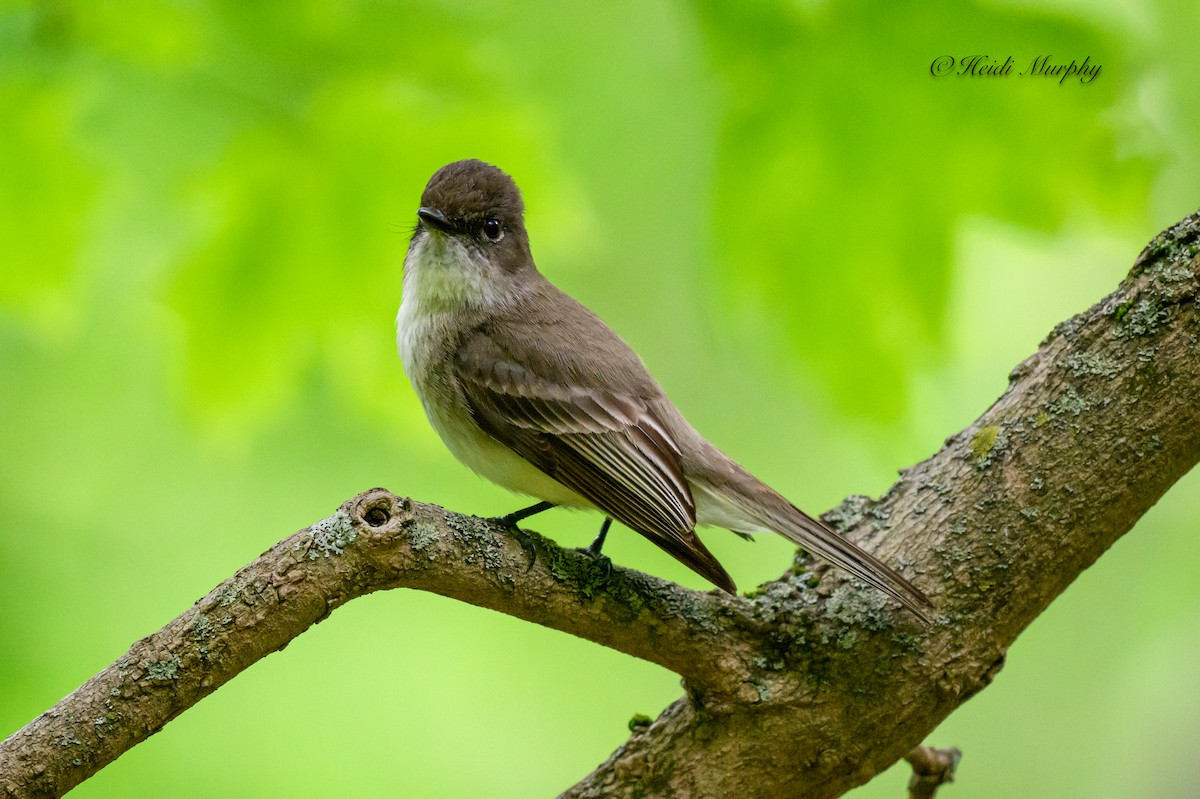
x=606 y=446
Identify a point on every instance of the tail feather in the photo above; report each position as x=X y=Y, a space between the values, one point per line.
x=738 y=501
x=813 y=535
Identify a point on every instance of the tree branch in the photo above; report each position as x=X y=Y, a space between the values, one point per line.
x=815 y=683
x=932 y=768
x=373 y=542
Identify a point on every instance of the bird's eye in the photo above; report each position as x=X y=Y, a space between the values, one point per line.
x=492 y=229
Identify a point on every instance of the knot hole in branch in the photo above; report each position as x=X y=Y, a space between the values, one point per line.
x=377 y=507
x=377 y=515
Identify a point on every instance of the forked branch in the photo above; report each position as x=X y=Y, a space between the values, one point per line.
x=813 y=683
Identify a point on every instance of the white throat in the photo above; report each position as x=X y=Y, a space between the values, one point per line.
x=442 y=273
x=444 y=276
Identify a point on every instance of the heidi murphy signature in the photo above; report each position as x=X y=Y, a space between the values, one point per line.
x=1044 y=66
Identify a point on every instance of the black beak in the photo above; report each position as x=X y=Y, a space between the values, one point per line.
x=433 y=218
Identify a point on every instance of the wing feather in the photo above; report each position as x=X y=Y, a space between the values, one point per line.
x=606 y=446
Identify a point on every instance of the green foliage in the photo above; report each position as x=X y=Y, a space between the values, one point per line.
x=844 y=168
x=829 y=257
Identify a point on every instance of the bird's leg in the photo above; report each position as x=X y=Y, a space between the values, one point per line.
x=524 y=513
x=593 y=549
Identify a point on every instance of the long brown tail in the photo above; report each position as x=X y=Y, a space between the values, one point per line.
x=743 y=497
x=814 y=536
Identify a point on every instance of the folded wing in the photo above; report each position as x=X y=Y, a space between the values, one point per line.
x=607 y=446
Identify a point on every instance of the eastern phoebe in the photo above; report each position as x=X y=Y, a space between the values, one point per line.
x=531 y=390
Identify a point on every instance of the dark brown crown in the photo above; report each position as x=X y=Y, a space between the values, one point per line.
x=468 y=191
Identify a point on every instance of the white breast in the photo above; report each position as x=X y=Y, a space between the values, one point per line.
x=437 y=288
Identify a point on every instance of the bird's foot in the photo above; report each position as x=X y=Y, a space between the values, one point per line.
x=527 y=543
x=523 y=538
x=593 y=550
x=603 y=561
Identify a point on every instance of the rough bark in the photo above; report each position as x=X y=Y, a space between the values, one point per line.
x=812 y=684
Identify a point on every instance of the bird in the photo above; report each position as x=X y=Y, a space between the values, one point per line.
x=534 y=392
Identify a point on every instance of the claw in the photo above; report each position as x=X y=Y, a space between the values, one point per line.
x=603 y=561
x=527 y=544
x=511 y=520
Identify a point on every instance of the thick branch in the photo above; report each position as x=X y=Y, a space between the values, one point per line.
x=1091 y=431
x=375 y=541
x=815 y=683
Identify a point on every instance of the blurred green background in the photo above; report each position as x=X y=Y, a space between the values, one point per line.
x=203 y=214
